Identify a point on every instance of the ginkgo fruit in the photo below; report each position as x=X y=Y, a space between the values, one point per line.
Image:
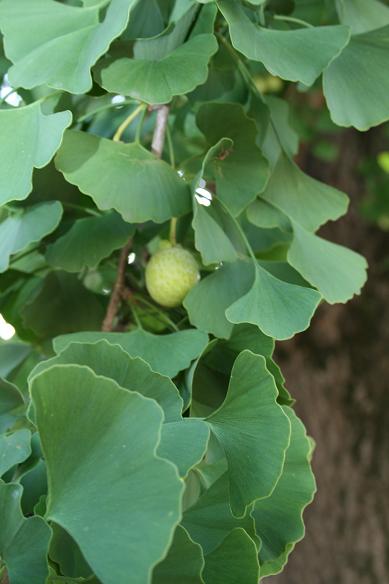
x=170 y=274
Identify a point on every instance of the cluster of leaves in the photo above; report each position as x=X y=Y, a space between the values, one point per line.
x=166 y=450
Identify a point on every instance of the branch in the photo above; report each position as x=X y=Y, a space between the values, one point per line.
x=117 y=292
x=119 y=288
x=160 y=130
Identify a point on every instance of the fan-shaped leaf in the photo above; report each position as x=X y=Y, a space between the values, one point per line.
x=235 y=560
x=337 y=272
x=278 y=308
x=356 y=84
x=122 y=429
x=23 y=542
x=60 y=52
x=129 y=372
x=278 y=518
x=88 y=241
x=124 y=177
x=251 y=426
x=184 y=562
x=166 y=354
x=284 y=53
x=29 y=139
x=24 y=227
x=303 y=198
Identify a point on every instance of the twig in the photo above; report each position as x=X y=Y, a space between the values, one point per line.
x=119 y=287
x=160 y=130
x=117 y=292
x=124 y=125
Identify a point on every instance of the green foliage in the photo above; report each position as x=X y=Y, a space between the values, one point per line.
x=138 y=443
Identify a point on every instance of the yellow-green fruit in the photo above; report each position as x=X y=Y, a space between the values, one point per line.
x=170 y=274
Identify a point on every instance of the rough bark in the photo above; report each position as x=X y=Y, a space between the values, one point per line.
x=339 y=373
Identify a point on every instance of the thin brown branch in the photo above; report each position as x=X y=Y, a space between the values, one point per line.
x=160 y=130
x=4 y=578
x=117 y=292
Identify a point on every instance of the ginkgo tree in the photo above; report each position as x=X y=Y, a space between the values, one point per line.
x=156 y=238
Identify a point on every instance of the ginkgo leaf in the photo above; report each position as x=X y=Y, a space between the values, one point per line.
x=129 y=372
x=184 y=443
x=122 y=429
x=337 y=272
x=184 y=562
x=156 y=79
x=284 y=53
x=251 y=426
x=23 y=542
x=11 y=404
x=124 y=177
x=278 y=308
x=235 y=560
x=207 y=302
x=278 y=518
x=12 y=355
x=14 y=449
x=212 y=239
x=60 y=51
x=88 y=241
x=210 y=519
x=241 y=158
x=263 y=214
x=356 y=84
x=60 y=305
x=166 y=354
x=362 y=16
x=302 y=198
x=24 y=227
x=29 y=139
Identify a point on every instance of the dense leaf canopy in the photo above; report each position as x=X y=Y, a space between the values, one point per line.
x=141 y=444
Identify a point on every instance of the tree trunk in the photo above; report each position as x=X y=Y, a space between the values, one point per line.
x=339 y=374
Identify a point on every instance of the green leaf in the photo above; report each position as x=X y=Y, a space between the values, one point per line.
x=14 y=448
x=29 y=139
x=156 y=77
x=337 y=272
x=210 y=519
x=284 y=53
x=278 y=308
x=62 y=305
x=356 y=84
x=166 y=354
x=61 y=51
x=184 y=562
x=247 y=336
x=132 y=487
x=242 y=159
x=362 y=16
x=278 y=518
x=67 y=555
x=12 y=355
x=184 y=443
x=11 y=403
x=235 y=560
x=129 y=372
x=124 y=177
x=264 y=215
x=24 y=227
x=207 y=302
x=251 y=427
x=89 y=241
x=303 y=198
x=23 y=542
x=211 y=225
